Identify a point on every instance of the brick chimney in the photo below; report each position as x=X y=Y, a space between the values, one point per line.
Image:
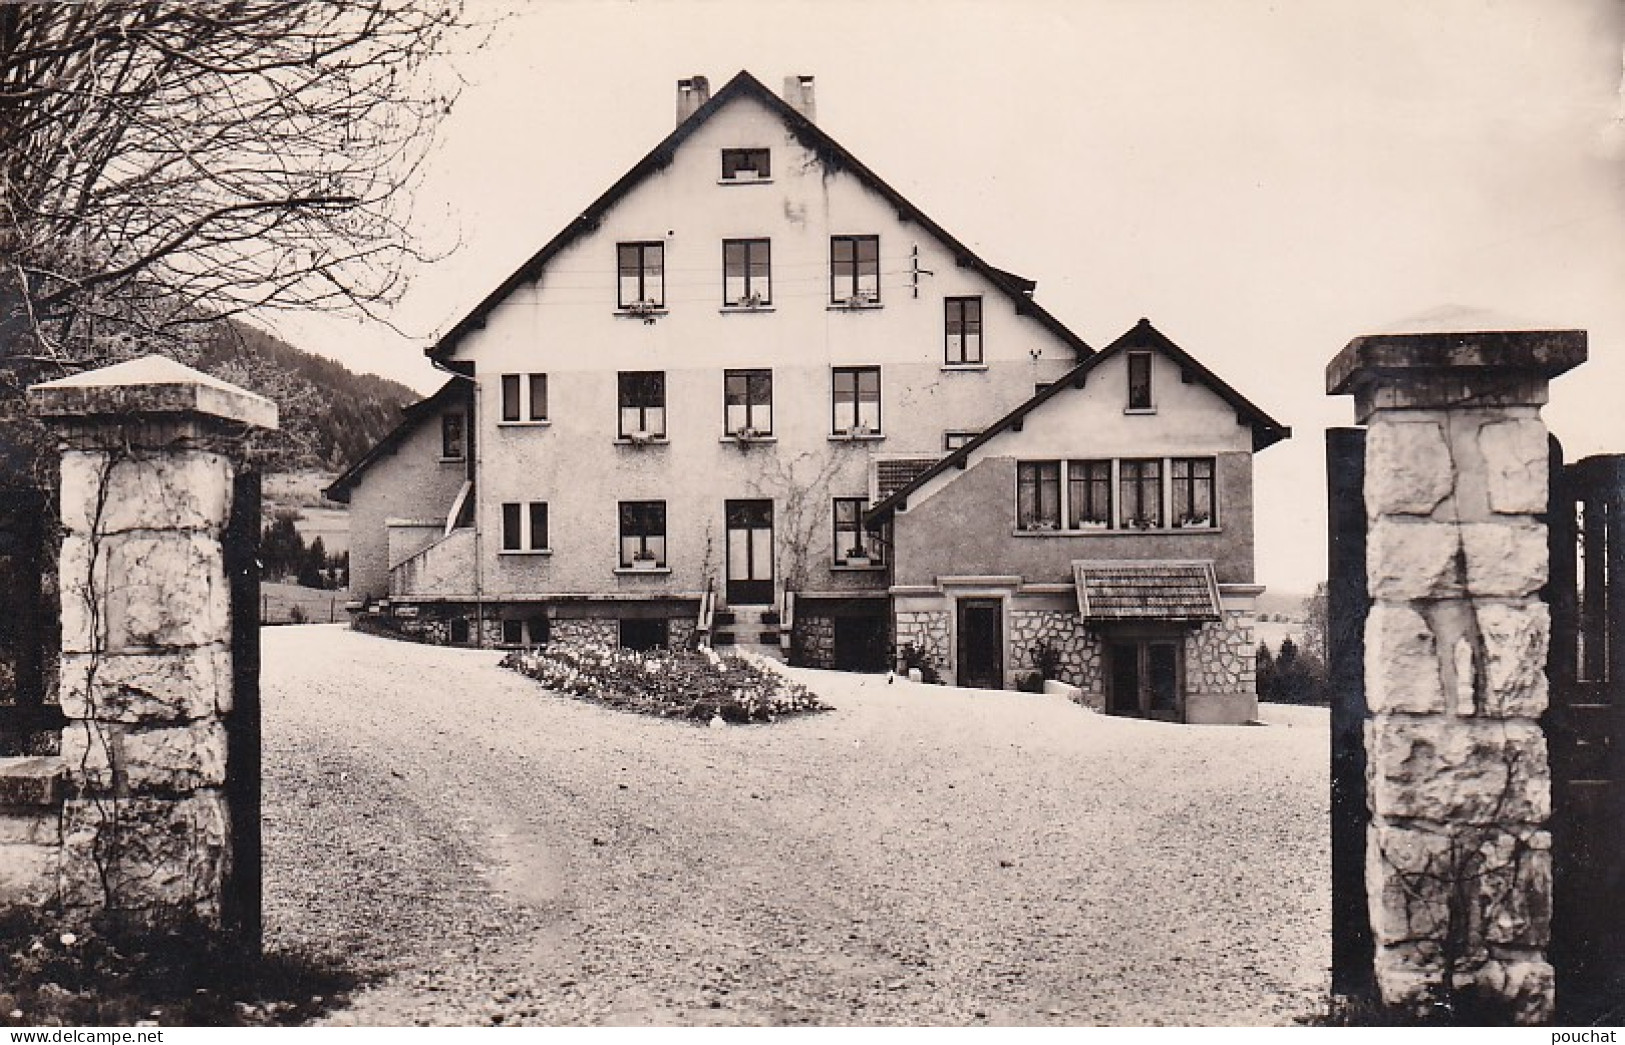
x=691 y=94
x=798 y=92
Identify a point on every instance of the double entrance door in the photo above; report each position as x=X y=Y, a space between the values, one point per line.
x=749 y=553
x=1143 y=676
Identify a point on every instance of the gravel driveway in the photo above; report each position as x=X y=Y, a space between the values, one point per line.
x=488 y=852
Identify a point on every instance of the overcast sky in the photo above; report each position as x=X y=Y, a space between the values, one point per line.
x=1264 y=181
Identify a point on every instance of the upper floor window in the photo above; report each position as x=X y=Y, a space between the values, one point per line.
x=1038 y=495
x=1139 y=381
x=524 y=397
x=1192 y=480
x=854 y=545
x=854 y=270
x=963 y=325
x=1140 y=487
x=641 y=269
x=524 y=526
x=747 y=402
x=642 y=399
x=747 y=272
x=745 y=164
x=451 y=437
x=1138 y=494
x=643 y=534
x=1088 y=494
x=855 y=400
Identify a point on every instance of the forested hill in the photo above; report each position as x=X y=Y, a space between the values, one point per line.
x=330 y=416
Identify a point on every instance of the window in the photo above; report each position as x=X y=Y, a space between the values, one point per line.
x=1038 y=495
x=747 y=401
x=524 y=398
x=642 y=396
x=524 y=527
x=746 y=278
x=1193 y=492
x=513 y=633
x=642 y=275
x=1139 y=381
x=954 y=440
x=1110 y=495
x=855 y=400
x=854 y=545
x=854 y=270
x=1089 y=494
x=1140 y=484
x=459 y=631
x=745 y=164
x=643 y=534
x=451 y=437
x=963 y=323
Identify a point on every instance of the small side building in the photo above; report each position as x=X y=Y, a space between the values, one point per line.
x=1102 y=530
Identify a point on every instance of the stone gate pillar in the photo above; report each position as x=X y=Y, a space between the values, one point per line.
x=146 y=676
x=1458 y=857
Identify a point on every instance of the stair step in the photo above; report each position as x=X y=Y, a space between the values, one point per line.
x=722 y=617
x=723 y=638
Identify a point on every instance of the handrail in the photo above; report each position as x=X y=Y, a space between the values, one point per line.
x=708 y=608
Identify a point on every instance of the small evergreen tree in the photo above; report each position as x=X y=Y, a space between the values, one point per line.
x=1264 y=672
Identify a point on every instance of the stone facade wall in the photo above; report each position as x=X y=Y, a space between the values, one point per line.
x=30 y=830
x=1220 y=656
x=928 y=630
x=1078 y=646
x=814 y=640
x=603 y=630
x=680 y=632
x=1458 y=855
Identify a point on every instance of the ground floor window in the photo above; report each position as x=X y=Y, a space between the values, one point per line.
x=459 y=631
x=643 y=534
x=525 y=631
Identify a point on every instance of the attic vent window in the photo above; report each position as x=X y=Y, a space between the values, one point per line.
x=745 y=165
x=1139 y=381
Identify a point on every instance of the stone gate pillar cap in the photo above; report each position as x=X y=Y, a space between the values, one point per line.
x=150 y=385
x=1542 y=353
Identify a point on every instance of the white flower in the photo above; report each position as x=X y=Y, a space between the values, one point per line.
x=68 y=939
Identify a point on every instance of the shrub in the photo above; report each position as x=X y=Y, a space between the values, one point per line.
x=672 y=683
x=1046 y=661
x=1030 y=682
x=913 y=657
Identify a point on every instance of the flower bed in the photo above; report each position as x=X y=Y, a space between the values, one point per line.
x=694 y=684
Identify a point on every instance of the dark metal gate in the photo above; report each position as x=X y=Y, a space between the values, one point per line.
x=244 y=889
x=1347 y=605
x=1585 y=732
x=30 y=631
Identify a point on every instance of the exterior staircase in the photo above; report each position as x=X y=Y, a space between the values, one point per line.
x=747 y=629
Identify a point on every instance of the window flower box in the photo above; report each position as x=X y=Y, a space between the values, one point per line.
x=644 y=562
x=641 y=437
x=1194 y=522
x=647 y=311
x=856 y=557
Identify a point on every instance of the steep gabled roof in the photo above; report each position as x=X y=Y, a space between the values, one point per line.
x=1266 y=430
x=413 y=414
x=835 y=157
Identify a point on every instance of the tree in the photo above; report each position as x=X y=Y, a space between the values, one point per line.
x=1316 y=623
x=164 y=165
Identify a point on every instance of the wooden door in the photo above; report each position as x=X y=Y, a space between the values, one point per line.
x=750 y=553
x=981 y=643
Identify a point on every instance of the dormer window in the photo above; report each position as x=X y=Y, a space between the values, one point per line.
x=745 y=165
x=1139 y=381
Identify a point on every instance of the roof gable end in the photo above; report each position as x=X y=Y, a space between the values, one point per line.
x=835 y=157
x=1266 y=430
